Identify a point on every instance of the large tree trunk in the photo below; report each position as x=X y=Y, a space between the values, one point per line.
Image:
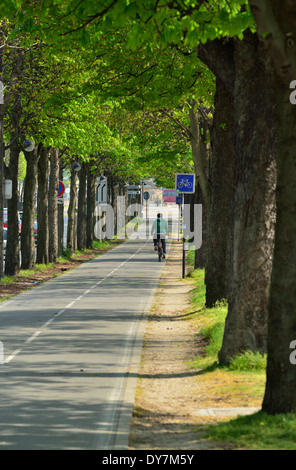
x=254 y=201
x=27 y=236
x=53 y=205
x=42 y=212
x=279 y=20
x=219 y=211
x=280 y=394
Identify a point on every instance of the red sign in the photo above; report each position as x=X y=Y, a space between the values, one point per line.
x=61 y=189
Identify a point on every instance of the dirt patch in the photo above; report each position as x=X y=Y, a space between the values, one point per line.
x=168 y=391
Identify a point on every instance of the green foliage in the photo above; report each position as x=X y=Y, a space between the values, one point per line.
x=248 y=361
x=258 y=431
x=97 y=68
x=213 y=335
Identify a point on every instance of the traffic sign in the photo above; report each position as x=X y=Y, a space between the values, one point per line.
x=134 y=187
x=8 y=189
x=61 y=189
x=179 y=200
x=146 y=195
x=185 y=183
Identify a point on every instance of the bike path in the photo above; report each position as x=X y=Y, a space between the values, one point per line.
x=71 y=350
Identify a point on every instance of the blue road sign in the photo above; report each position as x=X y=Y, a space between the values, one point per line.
x=179 y=200
x=185 y=183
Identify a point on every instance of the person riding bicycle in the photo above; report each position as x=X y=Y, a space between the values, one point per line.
x=160 y=230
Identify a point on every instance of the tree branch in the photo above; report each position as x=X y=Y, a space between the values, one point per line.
x=272 y=25
x=218 y=55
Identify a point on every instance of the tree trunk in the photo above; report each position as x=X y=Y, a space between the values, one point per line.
x=254 y=201
x=53 y=205
x=42 y=212
x=27 y=236
x=91 y=204
x=201 y=254
x=1 y=193
x=12 y=258
x=219 y=211
x=81 y=216
x=71 y=238
x=281 y=378
x=279 y=19
x=60 y=216
x=199 y=154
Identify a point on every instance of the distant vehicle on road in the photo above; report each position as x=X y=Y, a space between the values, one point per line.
x=169 y=196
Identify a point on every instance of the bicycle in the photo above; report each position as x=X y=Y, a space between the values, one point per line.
x=185 y=183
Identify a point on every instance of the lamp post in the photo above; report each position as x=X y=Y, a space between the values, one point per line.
x=28 y=146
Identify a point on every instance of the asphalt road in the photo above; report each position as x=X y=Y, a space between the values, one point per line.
x=71 y=350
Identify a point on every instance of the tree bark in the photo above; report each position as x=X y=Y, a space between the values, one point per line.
x=53 y=205
x=254 y=201
x=12 y=261
x=12 y=258
x=60 y=215
x=91 y=204
x=279 y=20
x=81 y=216
x=219 y=211
x=27 y=236
x=199 y=154
x=71 y=237
x=200 y=258
x=42 y=211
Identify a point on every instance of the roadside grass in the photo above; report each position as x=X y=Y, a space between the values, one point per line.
x=38 y=268
x=6 y=280
x=99 y=247
x=239 y=384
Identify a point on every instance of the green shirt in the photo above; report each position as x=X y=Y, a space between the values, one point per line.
x=159 y=226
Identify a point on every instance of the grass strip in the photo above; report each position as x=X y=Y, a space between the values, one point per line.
x=240 y=384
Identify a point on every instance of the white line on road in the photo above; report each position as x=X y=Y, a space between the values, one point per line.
x=48 y=322
x=29 y=340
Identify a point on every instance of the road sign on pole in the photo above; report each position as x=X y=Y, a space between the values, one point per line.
x=61 y=189
x=8 y=189
x=185 y=183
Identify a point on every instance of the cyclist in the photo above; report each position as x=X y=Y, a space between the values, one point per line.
x=160 y=230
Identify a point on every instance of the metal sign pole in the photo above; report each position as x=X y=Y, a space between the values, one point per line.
x=147 y=223
x=179 y=221
x=183 y=258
